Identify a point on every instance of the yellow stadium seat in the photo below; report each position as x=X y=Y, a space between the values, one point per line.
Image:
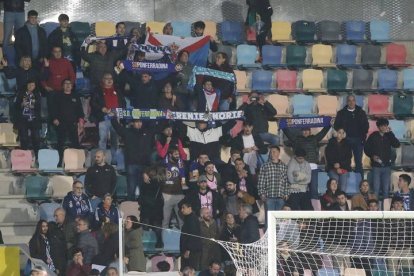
x=312 y=80
x=59 y=186
x=104 y=28
x=322 y=55
x=155 y=26
x=241 y=78
x=74 y=160
x=7 y=136
x=327 y=105
x=211 y=29
x=10 y=258
x=281 y=31
x=280 y=103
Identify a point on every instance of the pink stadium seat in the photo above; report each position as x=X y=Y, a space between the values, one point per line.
x=378 y=105
x=286 y=80
x=22 y=160
x=396 y=55
x=159 y=258
x=74 y=160
x=236 y=129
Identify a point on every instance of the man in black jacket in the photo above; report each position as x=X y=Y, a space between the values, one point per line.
x=262 y=11
x=190 y=246
x=100 y=179
x=258 y=110
x=63 y=37
x=249 y=228
x=378 y=149
x=67 y=116
x=31 y=40
x=138 y=149
x=13 y=19
x=353 y=119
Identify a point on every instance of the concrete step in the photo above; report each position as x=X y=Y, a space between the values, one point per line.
x=18 y=211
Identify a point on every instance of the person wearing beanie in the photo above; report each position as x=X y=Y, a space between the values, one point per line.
x=378 y=149
x=299 y=176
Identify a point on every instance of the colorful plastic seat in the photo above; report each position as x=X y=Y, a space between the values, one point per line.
x=322 y=55
x=355 y=30
x=22 y=161
x=362 y=79
x=304 y=31
x=60 y=186
x=104 y=28
x=181 y=28
x=231 y=32
x=74 y=160
x=81 y=30
x=336 y=80
x=408 y=79
x=262 y=80
x=295 y=56
x=36 y=187
x=241 y=78
x=346 y=55
x=280 y=103
x=327 y=105
x=302 y=105
x=286 y=80
x=378 y=105
x=48 y=160
x=246 y=56
x=121 y=189
x=312 y=79
x=281 y=31
x=387 y=80
x=329 y=31
x=396 y=55
x=402 y=105
x=272 y=56
x=398 y=127
x=371 y=55
x=379 y=31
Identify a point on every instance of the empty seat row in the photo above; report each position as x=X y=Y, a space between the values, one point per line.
x=321 y=55
x=335 y=80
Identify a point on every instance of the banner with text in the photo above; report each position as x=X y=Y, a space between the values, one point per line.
x=305 y=122
x=154 y=114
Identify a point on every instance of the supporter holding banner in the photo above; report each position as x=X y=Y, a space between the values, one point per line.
x=153 y=114
x=305 y=122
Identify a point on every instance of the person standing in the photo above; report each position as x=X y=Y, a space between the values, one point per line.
x=13 y=20
x=353 y=119
x=39 y=245
x=31 y=40
x=259 y=15
x=134 y=249
x=378 y=149
x=210 y=230
x=138 y=148
x=67 y=116
x=273 y=186
x=190 y=245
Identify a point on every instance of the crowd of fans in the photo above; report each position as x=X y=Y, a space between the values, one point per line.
x=199 y=194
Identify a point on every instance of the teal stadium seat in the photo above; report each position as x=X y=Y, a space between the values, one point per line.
x=36 y=187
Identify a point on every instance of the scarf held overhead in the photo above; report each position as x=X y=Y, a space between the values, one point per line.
x=197 y=70
x=305 y=122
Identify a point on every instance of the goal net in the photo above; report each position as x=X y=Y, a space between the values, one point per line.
x=330 y=243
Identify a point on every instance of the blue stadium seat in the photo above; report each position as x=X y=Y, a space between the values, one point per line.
x=48 y=160
x=302 y=105
x=328 y=272
x=7 y=86
x=121 y=191
x=329 y=31
x=246 y=57
x=36 y=187
x=181 y=28
x=4 y=109
x=399 y=129
x=362 y=79
x=408 y=79
x=379 y=31
x=272 y=56
x=171 y=240
x=262 y=80
x=355 y=30
x=322 y=180
x=371 y=55
x=47 y=210
x=352 y=186
x=148 y=240
x=346 y=55
x=231 y=32
x=407 y=155
x=387 y=80
x=49 y=27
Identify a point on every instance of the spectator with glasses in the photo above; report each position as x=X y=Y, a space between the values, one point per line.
x=76 y=203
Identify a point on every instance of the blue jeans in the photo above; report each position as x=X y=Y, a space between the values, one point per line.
x=95 y=202
x=357 y=149
x=381 y=178
x=273 y=204
x=11 y=20
x=134 y=180
x=272 y=139
x=342 y=179
x=105 y=128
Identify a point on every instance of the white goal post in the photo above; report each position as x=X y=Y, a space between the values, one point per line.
x=363 y=235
